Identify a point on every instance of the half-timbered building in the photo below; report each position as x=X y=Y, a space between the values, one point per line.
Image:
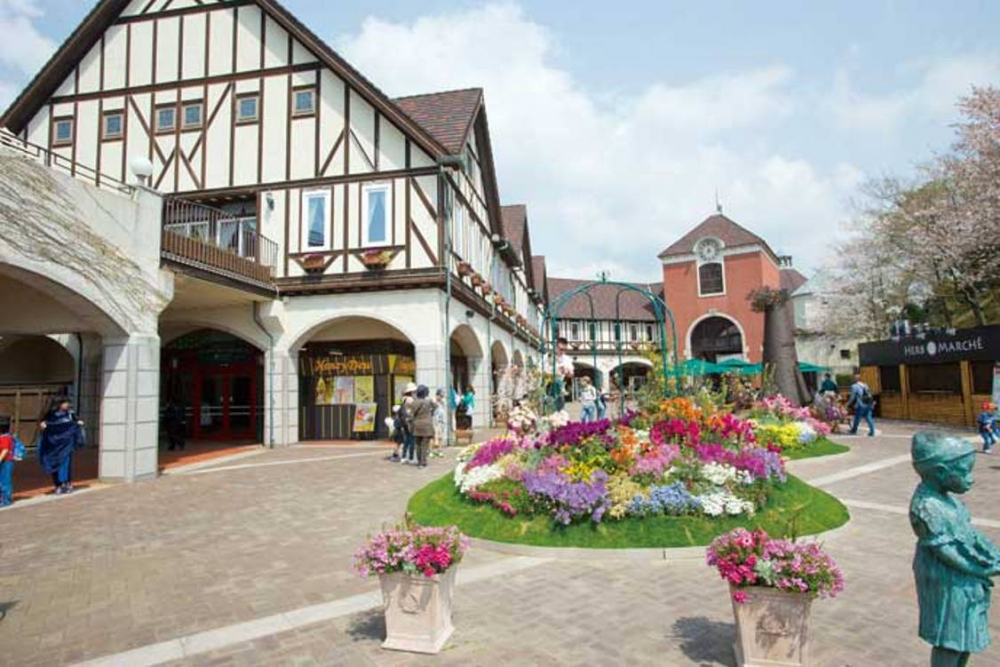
x=328 y=243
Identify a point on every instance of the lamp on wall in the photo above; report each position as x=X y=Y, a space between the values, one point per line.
x=141 y=167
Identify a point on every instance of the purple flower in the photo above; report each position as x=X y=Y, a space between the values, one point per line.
x=570 y=500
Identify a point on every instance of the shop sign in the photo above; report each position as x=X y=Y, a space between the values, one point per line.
x=343 y=366
x=981 y=343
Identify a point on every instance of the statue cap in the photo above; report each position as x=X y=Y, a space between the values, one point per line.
x=933 y=447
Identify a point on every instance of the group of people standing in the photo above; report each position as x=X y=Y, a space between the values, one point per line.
x=418 y=422
x=60 y=434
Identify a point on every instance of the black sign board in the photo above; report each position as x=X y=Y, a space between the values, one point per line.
x=976 y=344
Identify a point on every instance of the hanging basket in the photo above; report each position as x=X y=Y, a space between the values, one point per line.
x=464 y=269
x=477 y=280
x=376 y=259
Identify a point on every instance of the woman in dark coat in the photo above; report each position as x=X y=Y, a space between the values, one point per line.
x=61 y=435
x=423 y=423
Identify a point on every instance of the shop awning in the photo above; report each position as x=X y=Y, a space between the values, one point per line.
x=806 y=367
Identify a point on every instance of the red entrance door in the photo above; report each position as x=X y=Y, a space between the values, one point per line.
x=225 y=403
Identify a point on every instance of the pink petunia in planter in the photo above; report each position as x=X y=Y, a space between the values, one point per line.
x=416 y=568
x=773 y=583
x=376 y=259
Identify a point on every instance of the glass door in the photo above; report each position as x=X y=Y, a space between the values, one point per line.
x=241 y=408
x=212 y=407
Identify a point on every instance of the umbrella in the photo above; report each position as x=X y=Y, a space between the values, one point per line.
x=701 y=367
x=740 y=367
x=806 y=367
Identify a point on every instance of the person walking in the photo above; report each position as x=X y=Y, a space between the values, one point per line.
x=439 y=424
x=466 y=406
x=423 y=423
x=588 y=401
x=61 y=435
x=406 y=419
x=7 y=453
x=174 y=423
x=987 y=423
x=864 y=405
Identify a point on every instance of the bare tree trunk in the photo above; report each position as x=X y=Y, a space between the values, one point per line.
x=780 y=354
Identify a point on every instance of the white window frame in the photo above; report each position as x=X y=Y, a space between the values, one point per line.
x=247 y=120
x=366 y=240
x=163 y=129
x=113 y=136
x=722 y=266
x=201 y=115
x=303 y=113
x=306 y=219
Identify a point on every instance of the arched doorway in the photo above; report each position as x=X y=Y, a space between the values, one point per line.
x=630 y=376
x=715 y=339
x=218 y=379
x=33 y=370
x=499 y=363
x=352 y=371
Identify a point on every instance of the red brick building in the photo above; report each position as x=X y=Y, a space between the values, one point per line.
x=708 y=275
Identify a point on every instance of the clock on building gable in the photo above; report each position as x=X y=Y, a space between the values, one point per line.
x=708 y=250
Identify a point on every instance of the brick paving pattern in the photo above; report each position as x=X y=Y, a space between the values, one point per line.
x=129 y=566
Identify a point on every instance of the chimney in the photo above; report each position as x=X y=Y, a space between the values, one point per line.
x=785 y=261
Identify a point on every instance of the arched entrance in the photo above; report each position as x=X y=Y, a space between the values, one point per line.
x=715 y=339
x=352 y=371
x=630 y=376
x=33 y=370
x=218 y=379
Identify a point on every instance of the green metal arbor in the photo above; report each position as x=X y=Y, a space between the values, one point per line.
x=668 y=355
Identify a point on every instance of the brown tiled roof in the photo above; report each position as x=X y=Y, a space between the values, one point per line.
x=515 y=221
x=446 y=116
x=634 y=306
x=718 y=226
x=791 y=280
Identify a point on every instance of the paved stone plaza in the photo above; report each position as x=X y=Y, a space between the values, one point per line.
x=248 y=563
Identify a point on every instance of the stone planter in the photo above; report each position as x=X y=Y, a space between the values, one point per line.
x=772 y=628
x=417 y=611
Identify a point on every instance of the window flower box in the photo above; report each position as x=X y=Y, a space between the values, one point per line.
x=313 y=263
x=416 y=569
x=477 y=280
x=376 y=259
x=464 y=269
x=486 y=288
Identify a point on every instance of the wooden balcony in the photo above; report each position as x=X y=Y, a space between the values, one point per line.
x=212 y=241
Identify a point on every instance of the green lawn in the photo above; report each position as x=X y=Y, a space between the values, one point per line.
x=819 y=447
x=795 y=507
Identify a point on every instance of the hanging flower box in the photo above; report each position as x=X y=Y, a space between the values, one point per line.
x=376 y=259
x=313 y=263
x=477 y=280
x=486 y=288
x=464 y=269
x=416 y=568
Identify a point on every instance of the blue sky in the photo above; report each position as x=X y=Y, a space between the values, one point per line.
x=616 y=124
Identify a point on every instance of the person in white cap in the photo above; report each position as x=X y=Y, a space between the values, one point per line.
x=406 y=417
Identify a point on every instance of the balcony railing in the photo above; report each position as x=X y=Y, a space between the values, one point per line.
x=214 y=240
x=62 y=163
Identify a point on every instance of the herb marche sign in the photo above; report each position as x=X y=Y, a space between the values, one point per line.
x=977 y=344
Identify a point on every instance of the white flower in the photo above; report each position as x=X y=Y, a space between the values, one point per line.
x=466 y=481
x=558 y=419
x=467 y=453
x=718 y=473
x=806 y=432
x=723 y=502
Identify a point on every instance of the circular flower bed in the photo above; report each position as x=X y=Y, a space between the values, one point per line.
x=684 y=460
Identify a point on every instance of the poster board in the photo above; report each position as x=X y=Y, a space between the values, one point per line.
x=343 y=392
x=399 y=383
x=364 y=417
x=364 y=389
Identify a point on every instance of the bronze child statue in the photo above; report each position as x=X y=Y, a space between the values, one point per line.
x=954 y=563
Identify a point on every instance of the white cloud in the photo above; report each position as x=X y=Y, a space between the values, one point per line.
x=939 y=82
x=23 y=47
x=611 y=179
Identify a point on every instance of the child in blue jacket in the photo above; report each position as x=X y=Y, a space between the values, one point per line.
x=987 y=422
